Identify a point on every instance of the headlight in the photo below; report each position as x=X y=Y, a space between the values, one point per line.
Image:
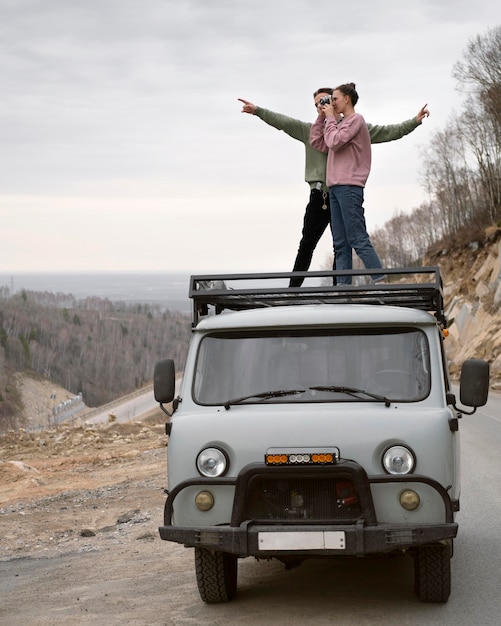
x=399 y=460
x=212 y=462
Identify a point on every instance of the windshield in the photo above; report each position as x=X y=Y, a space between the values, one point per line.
x=252 y=367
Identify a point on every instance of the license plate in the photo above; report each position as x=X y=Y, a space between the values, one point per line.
x=313 y=540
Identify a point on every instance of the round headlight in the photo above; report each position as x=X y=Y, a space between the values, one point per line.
x=398 y=460
x=212 y=462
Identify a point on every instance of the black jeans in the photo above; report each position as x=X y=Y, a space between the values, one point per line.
x=316 y=220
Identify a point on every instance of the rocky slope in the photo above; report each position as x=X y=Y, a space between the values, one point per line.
x=472 y=291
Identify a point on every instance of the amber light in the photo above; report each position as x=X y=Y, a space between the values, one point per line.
x=276 y=459
x=322 y=458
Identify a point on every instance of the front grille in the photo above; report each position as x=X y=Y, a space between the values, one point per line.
x=311 y=499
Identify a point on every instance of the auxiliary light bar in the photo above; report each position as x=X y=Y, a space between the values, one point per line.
x=301 y=456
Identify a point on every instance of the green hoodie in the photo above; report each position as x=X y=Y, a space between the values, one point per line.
x=315 y=161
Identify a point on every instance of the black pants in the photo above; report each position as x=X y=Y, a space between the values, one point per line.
x=316 y=220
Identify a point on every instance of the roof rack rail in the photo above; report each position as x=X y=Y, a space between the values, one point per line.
x=417 y=287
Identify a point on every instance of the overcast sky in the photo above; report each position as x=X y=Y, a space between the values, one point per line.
x=122 y=142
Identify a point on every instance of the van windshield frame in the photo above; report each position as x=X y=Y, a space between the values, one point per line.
x=390 y=362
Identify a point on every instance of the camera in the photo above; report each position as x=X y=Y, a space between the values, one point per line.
x=325 y=100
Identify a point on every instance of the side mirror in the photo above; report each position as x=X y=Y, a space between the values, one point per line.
x=474 y=383
x=164 y=381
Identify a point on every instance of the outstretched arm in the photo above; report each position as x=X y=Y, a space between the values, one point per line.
x=294 y=128
x=390 y=132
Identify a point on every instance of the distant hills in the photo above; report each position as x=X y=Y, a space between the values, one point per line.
x=100 y=349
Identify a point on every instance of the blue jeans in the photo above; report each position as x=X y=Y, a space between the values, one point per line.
x=349 y=231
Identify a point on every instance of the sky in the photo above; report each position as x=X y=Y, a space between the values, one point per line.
x=122 y=142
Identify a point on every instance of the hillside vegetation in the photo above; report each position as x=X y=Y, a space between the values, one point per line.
x=100 y=349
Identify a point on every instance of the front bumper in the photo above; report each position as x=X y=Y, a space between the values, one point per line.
x=356 y=533
x=358 y=540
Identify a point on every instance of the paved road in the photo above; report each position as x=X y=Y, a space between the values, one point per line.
x=130 y=408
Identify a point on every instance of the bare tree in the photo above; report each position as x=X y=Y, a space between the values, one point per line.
x=450 y=180
x=480 y=71
x=462 y=163
x=480 y=74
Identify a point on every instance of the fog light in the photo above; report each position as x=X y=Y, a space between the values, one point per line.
x=409 y=500
x=204 y=501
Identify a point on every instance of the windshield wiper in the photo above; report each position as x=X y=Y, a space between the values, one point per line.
x=352 y=391
x=264 y=395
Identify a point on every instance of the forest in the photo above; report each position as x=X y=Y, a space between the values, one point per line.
x=101 y=349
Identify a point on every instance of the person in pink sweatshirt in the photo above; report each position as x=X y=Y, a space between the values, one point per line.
x=344 y=135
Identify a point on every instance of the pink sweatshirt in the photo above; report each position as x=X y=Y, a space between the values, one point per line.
x=349 y=149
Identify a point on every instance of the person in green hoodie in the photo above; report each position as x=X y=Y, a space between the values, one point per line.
x=317 y=213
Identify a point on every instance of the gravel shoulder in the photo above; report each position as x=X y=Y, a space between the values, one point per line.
x=79 y=489
x=79 y=503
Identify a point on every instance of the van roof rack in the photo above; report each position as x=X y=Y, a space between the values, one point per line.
x=417 y=287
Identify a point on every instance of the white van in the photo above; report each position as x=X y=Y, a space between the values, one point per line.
x=315 y=421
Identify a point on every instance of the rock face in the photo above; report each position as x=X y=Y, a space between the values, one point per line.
x=472 y=291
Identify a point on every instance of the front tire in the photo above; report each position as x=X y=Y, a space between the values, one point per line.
x=432 y=570
x=216 y=575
